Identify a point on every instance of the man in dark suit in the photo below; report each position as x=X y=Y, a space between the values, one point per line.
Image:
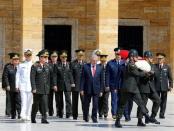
x=76 y=67
x=91 y=87
x=40 y=83
x=9 y=77
x=130 y=88
x=103 y=100
x=63 y=81
x=163 y=82
x=52 y=63
x=147 y=90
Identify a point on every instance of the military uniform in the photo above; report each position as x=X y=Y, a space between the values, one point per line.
x=40 y=82
x=163 y=81
x=147 y=90
x=63 y=79
x=8 y=103
x=24 y=85
x=51 y=94
x=9 y=77
x=130 y=88
x=76 y=67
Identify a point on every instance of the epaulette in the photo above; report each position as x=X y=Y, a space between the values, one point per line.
x=36 y=63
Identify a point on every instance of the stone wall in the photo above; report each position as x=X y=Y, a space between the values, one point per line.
x=154 y=12
x=10 y=28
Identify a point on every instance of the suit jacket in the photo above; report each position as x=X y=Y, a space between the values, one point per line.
x=76 y=69
x=130 y=78
x=40 y=78
x=114 y=74
x=147 y=83
x=89 y=84
x=9 y=77
x=63 y=77
x=163 y=78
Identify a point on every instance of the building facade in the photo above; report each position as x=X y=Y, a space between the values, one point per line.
x=87 y=24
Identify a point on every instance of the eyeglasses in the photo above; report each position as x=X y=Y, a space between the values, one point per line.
x=64 y=57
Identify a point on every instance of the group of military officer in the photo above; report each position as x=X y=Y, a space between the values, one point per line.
x=93 y=80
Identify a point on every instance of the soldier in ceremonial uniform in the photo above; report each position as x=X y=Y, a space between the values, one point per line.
x=130 y=88
x=40 y=83
x=147 y=90
x=76 y=67
x=103 y=100
x=4 y=87
x=23 y=84
x=63 y=81
x=163 y=82
x=52 y=63
x=9 y=80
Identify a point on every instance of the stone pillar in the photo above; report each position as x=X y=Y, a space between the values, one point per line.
x=32 y=25
x=172 y=36
x=107 y=25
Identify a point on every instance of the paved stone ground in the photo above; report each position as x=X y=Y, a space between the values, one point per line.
x=6 y=124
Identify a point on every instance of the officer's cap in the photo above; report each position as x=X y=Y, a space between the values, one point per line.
x=80 y=51
x=160 y=55
x=103 y=54
x=14 y=55
x=117 y=49
x=54 y=54
x=133 y=53
x=43 y=52
x=63 y=53
x=28 y=51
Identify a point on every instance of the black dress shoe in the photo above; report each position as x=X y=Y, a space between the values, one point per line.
x=19 y=117
x=94 y=120
x=13 y=117
x=86 y=119
x=100 y=116
x=127 y=119
x=74 y=118
x=67 y=116
x=140 y=122
x=33 y=121
x=155 y=121
x=162 y=117
x=44 y=121
x=148 y=119
x=118 y=124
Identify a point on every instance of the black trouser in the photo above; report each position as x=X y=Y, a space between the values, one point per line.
x=163 y=98
x=136 y=97
x=39 y=99
x=75 y=99
x=87 y=100
x=50 y=102
x=103 y=104
x=15 y=98
x=156 y=103
x=8 y=104
x=60 y=103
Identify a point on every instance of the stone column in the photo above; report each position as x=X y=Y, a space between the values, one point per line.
x=107 y=25
x=172 y=36
x=32 y=25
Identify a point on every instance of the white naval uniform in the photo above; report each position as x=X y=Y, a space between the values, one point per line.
x=24 y=85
